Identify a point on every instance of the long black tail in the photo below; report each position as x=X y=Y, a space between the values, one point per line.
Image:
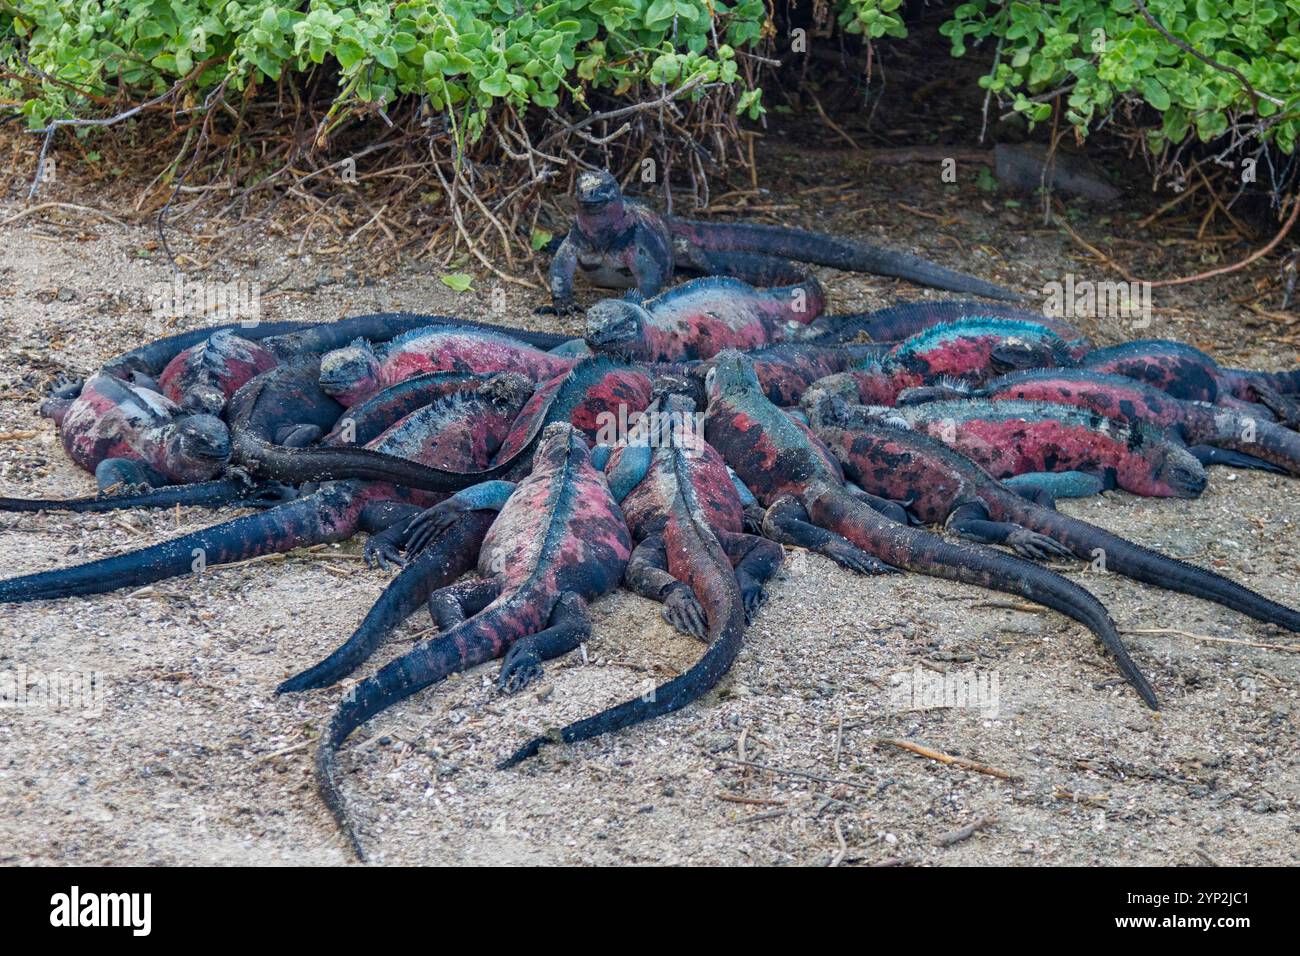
x=927 y=553
x=299 y=465
x=831 y=251
x=212 y=494
x=469 y=643
x=1124 y=557
x=718 y=592
x=447 y=557
x=325 y=516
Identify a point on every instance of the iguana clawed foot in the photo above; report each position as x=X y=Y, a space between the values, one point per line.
x=379 y=552
x=1038 y=547
x=430 y=523
x=683 y=612
x=521 y=667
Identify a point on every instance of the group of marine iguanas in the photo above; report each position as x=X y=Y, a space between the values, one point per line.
x=757 y=422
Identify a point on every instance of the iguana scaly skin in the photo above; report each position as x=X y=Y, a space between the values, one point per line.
x=360 y=370
x=559 y=542
x=130 y=435
x=691 y=555
x=334 y=513
x=969 y=351
x=700 y=318
x=1188 y=373
x=1128 y=400
x=143 y=366
x=801 y=484
x=943 y=486
x=902 y=321
x=1016 y=438
x=205 y=376
x=617 y=243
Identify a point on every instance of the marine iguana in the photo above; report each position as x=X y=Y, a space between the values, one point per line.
x=969 y=350
x=617 y=243
x=906 y=319
x=802 y=485
x=942 y=486
x=333 y=513
x=143 y=365
x=691 y=555
x=360 y=370
x=205 y=376
x=700 y=318
x=591 y=393
x=559 y=542
x=1188 y=373
x=1213 y=434
x=133 y=436
x=1016 y=438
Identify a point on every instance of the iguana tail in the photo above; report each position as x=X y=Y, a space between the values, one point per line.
x=472 y=642
x=212 y=494
x=930 y=554
x=328 y=515
x=831 y=251
x=1141 y=564
x=447 y=557
x=708 y=570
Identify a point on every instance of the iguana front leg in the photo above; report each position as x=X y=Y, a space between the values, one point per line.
x=787 y=521
x=563 y=268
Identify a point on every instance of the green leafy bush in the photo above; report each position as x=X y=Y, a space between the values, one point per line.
x=466 y=55
x=1098 y=53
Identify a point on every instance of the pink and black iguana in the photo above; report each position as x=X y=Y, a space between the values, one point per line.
x=333 y=513
x=802 y=485
x=700 y=318
x=1012 y=438
x=1215 y=435
x=692 y=555
x=617 y=243
x=559 y=542
x=942 y=486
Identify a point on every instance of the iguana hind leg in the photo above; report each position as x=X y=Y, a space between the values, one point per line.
x=787 y=521
x=647 y=575
x=568 y=627
x=451 y=605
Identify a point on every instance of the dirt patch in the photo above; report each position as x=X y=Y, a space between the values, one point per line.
x=191 y=759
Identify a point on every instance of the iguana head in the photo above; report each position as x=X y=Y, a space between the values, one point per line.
x=732 y=376
x=196 y=448
x=559 y=442
x=203 y=400
x=351 y=373
x=1178 y=474
x=614 y=325
x=596 y=190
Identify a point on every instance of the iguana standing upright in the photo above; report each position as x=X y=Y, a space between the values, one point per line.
x=617 y=243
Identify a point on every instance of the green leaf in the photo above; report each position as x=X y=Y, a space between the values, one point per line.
x=458 y=281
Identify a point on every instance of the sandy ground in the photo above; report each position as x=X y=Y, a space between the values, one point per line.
x=191 y=759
